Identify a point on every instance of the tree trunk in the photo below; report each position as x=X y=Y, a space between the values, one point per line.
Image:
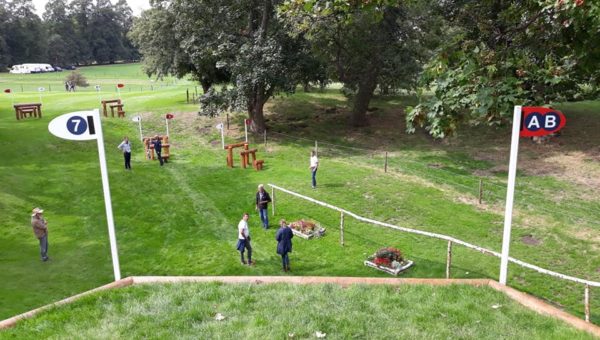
x=362 y=99
x=258 y=119
x=205 y=86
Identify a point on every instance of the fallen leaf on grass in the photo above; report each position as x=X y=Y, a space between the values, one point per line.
x=320 y=335
x=496 y=306
x=219 y=317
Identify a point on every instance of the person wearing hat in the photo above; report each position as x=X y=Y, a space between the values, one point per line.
x=284 y=244
x=158 y=148
x=262 y=201
x=40 y=229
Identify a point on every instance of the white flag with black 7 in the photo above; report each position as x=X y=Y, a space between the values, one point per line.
x=86 y=125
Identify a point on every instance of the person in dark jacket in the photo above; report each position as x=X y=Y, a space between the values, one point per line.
x=158 y=148
x=284 y=244
x=262 y=201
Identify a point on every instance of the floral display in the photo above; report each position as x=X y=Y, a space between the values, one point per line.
x=307 y=229
x=387 y=257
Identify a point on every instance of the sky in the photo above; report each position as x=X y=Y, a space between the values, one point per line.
x=136 y=5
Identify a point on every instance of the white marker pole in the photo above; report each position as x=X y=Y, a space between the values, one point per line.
x=140 y=126
x=167 y=122
x=107 y=201
x=222 y=136
x=510 y=192
x=246 y=130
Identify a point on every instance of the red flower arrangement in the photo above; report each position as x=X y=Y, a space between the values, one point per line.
x=387 y=257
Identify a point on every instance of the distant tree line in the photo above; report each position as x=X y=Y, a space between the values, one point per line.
x=79 y=32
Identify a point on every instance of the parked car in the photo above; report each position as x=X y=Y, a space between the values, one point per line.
x=57 y=69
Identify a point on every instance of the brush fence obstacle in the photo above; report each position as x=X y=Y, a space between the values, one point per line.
x=451 y=241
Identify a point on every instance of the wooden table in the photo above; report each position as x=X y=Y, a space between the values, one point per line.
x=32 y=108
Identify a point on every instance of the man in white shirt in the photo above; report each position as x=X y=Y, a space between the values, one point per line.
x=126 y=148
x=314 y=165
x=244 y=240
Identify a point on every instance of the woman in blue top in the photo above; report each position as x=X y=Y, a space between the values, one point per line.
x=284 y=244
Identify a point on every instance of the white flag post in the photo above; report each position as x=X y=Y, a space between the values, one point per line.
x=510 y=193
x=167 y=122
x=138 y=119
x=220 y=127
x=246 y=122
x=86 y=125
x=40 y=90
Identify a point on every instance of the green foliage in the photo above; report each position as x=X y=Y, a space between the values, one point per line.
x=78 y=79
x=498 y=55
x=79 y=32
x=366 y=44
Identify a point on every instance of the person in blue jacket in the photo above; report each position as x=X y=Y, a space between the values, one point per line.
x=284 y=244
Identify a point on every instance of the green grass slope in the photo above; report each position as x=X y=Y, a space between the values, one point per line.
x=278 y=311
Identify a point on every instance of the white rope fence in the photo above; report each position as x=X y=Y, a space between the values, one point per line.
x=450 y=240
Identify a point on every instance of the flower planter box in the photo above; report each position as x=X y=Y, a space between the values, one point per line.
x=393 y=271
x=318 y=232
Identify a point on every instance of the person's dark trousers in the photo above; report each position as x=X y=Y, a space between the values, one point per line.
x=248 y=247
x=314 y=178
x=158 y=154
x=44 y=247
x=127 y=156
x=264 y=217
x=285 y=261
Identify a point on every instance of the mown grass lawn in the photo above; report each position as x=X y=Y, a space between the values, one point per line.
x=279 y=311
x=181 y=219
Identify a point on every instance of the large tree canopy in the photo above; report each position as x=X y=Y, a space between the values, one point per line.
x=504 y=53
x=240 y=41
x=366 y=43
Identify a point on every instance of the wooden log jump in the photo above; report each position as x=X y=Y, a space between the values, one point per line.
x=230 y=148
x=33 y=109
x=258 y=164
x=246 y=159
x=149 y=148
x=112 y=104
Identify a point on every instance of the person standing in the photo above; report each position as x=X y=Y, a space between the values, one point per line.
x=314 y=165
x=158 y=148
x=244 y=240
x=262 y=201
x=126 y=148
x=284 y=244
x=40 y=229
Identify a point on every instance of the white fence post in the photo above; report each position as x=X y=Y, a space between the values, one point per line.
x=586 y=302
x=273 y=199
x=342 y=228
x=448 y=259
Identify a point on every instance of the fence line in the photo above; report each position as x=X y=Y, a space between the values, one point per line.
x=450 y=240
x=523 y=193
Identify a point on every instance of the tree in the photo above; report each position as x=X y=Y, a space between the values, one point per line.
x=62 y=40
x=367 y=43
x=23 y=32
x=243 y=40
x=502 y=53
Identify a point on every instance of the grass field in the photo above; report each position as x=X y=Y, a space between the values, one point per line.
x=180 y=219
x=278 y=311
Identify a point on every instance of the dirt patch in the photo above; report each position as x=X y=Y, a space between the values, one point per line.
x=530 y=240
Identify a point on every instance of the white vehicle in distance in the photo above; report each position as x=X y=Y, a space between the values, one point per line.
x=31 y=68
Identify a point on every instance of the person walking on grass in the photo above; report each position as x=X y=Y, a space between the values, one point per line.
x=126 y=148
x=262 y=201
x=158 y=148
x=284 y=244
x=244 y=240
x=314 y=165
x=40 y=229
